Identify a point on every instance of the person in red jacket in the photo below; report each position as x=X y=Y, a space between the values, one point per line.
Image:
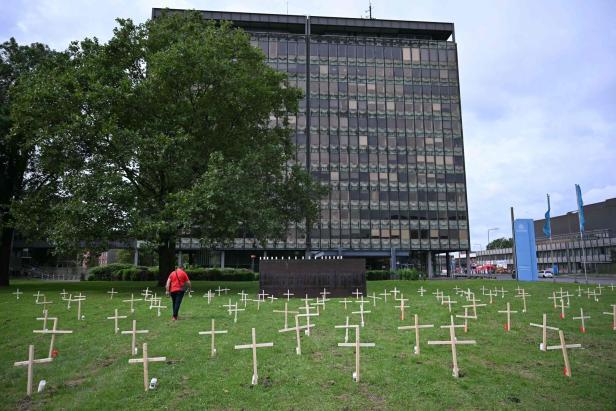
x=175 y=286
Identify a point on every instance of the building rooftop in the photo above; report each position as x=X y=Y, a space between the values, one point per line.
x=320 y=25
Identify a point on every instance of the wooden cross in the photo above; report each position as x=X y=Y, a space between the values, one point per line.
x=346 y=327
x=30 y=364
x=357 y=345
x=17 y=293
x=508 y=312
x=254 y=346
x=384 y=294
x=288 y=294
x=562 y=308
x=297 y=328
x=307 y=314
x=209 y=296
x=456 y=289
x=421 y=291
x=553 y=298
x=235 y=310
x=466 y=318
x=146 y=360
x=402 y=306
x=262 y=295
x=63 y=294
x=579 y=290
x=395 y=292
x=272 y=298
x=483 y=290
x=416 y=327
x=213 y=333
x=38 y=295
x=612 y=286
x=219 y=290
x=286 y=314
x=345 y=301
x=228 y=307
x=225 y=290
x=146 y=294
x=453 y=341
x=68 y=301
x=474 y=306
x=319 y=303
x=600 y=288
x=544 y=333
x=131 y=301
x=523 y=296
x=158 y=306
x=154 y=300
x=357 y=293
x=54 y=331
x=503 y=291
x=44 y=303
x=448 y=302
x=374 y=298
x=581 y=317
x=115 y=319
x=564 y=347
x=324 y=294
x=593 y=293
x=613 y=314
x=78 y=299
x=134 y=332
x=44 y=318
x=438 y=294
x=361 y=312
x=491 y=294
x=111 y=293
x=258 y=301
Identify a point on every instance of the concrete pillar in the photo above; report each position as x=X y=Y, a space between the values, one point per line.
x=179 y=258
x=393 y=264
x=429 y=264
x=222 y=259
x=468 y=262
x=448 y=264
x=136 y=256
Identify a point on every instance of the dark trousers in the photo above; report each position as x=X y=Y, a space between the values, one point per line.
x=176 y=297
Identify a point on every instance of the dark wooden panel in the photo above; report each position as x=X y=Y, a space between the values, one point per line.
x=301 y=277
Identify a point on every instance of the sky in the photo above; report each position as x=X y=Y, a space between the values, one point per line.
x=538 y=86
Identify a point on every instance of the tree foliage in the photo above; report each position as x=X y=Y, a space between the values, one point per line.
x=174 y=127
x=500 y=243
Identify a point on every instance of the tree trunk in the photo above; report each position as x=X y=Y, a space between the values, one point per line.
x=166 y=261
x=6 y=243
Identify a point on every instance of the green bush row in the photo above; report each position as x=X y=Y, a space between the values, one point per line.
x=402 y=274
x=129 y=272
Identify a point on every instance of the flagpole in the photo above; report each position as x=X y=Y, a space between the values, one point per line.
x=578 y=192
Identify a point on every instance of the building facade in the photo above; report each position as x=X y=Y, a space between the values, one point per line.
x=380 y=124
x=567 y=249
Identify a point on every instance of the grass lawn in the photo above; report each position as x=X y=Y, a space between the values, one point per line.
x=503 y=370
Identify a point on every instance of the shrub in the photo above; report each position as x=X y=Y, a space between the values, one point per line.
x=129 y=272
x=411 y=274
x=107 y=272
x=375 y=275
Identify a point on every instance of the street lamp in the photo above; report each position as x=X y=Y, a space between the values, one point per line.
x=490 y=229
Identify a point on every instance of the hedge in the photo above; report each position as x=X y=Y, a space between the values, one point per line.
x=129 y=272
x=376 y=275
x=403 y=274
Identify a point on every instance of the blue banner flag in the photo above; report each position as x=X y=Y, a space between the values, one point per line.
x=578 y=192
x=547 y=227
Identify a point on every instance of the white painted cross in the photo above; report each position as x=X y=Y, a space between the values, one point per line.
x=63 y=294
x=44 y=318
x=508 y=312
x=346 y=329
x=562 y=308
x=213 y=333
x=134 y=332
x=146 y=294
x=600 y=288
x=395 y=292
x=307 y=314
x=324 y=294
x=613 y=314
x=258 y=301
x=225 y=290
x=416 y=327
x=219 y=290
x=421 y=291
x=111 y=293
x=272 y=298
x=357 y=293
x=438 y=294
x=357 y=345
x=384 y=294
x=38 y=295
x=262 y=295
x=54 y=331
x=361 y=312
x=544 y=334
x=466 y=317
x=581 y=317
x=474 y=306
x=30 y=364
x=491 y=295
x=253 y=347
x=503 y=291
x=145 y=361
x=158 y=306
x=228 y=306
x=235 y=310
x=319 y=303
x=17 y=293
x=453 y=342
x=115 y=319
x=297 y=328
x=44 y=303
x=78 y=299
x=553 y=298
x=131 y=301
x=209 y=296
x=447 y=300
x=564 y=347
x=288 y=294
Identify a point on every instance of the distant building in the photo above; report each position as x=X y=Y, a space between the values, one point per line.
x=566 y=249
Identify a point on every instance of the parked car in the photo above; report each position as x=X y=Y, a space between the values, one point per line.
x=545 y=274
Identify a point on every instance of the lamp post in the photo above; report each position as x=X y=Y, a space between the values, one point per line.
x=490 y=229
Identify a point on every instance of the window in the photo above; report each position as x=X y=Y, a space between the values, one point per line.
x=406 y=54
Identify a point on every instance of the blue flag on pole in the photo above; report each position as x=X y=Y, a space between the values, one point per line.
x=547 y=227
x=578 y=192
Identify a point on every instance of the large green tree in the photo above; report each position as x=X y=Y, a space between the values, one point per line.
x=500 y=243
x=175 y=127
x=17 y=154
